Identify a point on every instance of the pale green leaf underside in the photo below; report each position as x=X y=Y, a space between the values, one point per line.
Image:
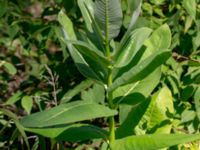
x=67 y=113
x=108 y=15
x=152 y=142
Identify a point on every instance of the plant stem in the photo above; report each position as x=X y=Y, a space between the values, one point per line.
x=110 y=78
x=110 y=102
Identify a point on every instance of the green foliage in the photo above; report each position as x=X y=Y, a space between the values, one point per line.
x=99 y=74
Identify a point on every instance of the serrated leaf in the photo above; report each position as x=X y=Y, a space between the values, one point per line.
x=130 y=47
x=153 y=142
x=108 y=15
x=67 y=113
x=27 y=103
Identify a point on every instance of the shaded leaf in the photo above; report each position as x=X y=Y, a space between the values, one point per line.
x=17 y=123
x=69 y=34
x=77 y=89
x=71 y=133
x=13 y=99
x=108 y=15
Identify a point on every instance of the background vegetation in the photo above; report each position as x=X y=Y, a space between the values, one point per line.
x=37 y=72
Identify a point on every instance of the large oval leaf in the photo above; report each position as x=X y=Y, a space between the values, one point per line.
x=108 y=14
x=190 y=6
x=69 y=34
x=160 y=39
x=130 y=47
x=152 y=142
x=71 y=133
x=67 y=113
x=135 y=7
x=141 y=70
x=156 y=116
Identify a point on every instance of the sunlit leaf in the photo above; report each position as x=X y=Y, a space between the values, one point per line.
x=67 y=113
x=152 y=142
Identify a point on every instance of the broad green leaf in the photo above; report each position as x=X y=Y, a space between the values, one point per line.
x=90 y=51
x=93 y=57
x=134 y=102
x=153 y=142
x=197 y=101
x=130 y=47
x=160 y=39
x=13 y=99
x=96 y=94
x=27 y=103
x=187 y=116
x=87 y=18
x=190 y=6
x=130 y=115
x=142 y=70
x=69 y=34
x=17 y=123
x=108 y=15
x=10 y=68
x=77 y=89
x=156 y=116
x=71 y=133
x=3 y=7
x=152 y=80
x=135 y=8
x=67 y=113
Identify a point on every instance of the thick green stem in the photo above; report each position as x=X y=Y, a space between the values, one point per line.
x=110 y=102
x=110 y=79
